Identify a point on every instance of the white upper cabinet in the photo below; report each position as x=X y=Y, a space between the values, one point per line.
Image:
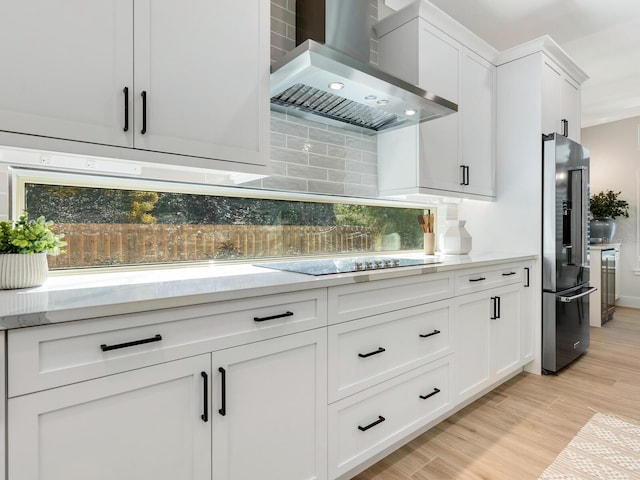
x=171 y=82
x=454 y=154
x=65 y=64
x=205 y=79
x=561 y=102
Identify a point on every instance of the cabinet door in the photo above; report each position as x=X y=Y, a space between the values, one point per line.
x=505 y=331
x=65 y=64
x=270 y=409
x=561 y=101
x=205 y=79
x=478 y=123
x=570 y=107
x=143 y=424
x=471 y=340
x=527 y=323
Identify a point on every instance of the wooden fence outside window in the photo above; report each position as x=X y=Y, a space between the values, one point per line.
x=130 y=244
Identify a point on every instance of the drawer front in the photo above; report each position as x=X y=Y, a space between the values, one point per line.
x=365 y=424
x=478 y=279
x=54 y=355
x=349 y=302
x=371 y=350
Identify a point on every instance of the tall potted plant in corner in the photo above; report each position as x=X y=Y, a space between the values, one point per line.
x=605 y=207
x=24 y=245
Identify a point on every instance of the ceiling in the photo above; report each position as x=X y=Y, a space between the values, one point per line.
x=601 y=36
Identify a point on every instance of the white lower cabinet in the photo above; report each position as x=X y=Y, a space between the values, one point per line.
x=487 y=339
x=269 y=409
x=144 y=424
x=370 y=421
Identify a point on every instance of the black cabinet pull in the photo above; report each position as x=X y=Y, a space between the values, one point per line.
x=435 y=392
x=435 y=332
x=527 y=283
x=144 y=112
x=365 y=355
x=496 y=308
x=508 y=274
x=223 y=392
x=479 y=279
x=272 y=317
x=565 y=127
x=377 y=422
x=125 y=90
x=205 y=399
x=106 y=348
x=468 y=174
x=464 y=175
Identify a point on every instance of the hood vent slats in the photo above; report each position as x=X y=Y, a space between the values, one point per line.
x=309 y=99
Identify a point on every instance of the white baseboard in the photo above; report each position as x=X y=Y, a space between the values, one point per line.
x=633 y=302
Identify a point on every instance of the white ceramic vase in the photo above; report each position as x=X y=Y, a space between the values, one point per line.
x=19 y=270
x=455 y=240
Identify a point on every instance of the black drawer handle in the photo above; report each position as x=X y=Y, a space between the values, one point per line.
x=479 y=279
x=223 y=392
x=377 y=422
x=435 y=392
x=205 y=399
x=508 y=274
x=106 y=348
x=365 y=355
x=273 y=317
x=527 y=283
x=435 y=332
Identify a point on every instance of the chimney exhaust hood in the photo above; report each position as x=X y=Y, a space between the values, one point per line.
x=328 y=84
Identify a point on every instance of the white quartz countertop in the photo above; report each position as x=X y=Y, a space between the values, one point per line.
x=91 y=295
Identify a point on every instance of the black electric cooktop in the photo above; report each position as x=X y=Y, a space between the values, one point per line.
x=347 y=265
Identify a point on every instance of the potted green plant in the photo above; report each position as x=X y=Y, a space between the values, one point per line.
x=605 y=207
x=24 y=245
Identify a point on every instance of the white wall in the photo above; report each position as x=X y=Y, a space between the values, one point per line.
x=615 y=165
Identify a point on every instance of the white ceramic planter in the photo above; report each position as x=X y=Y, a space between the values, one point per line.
x=22 y=271
x=455 y=240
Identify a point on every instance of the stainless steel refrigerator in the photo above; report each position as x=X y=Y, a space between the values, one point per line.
x=565 y=243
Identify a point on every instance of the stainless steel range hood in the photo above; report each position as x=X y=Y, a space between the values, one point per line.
x=370 y=100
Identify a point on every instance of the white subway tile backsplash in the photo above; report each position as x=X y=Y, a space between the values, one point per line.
x=289 y=128
x=292 y=184
x=284 y=14
x=360 y=191
x=362 y=144
x=278 y=139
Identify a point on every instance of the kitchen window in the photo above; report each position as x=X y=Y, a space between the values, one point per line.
x=110 y=222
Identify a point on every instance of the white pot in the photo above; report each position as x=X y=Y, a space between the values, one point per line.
x=455 y=240
x=21 y=270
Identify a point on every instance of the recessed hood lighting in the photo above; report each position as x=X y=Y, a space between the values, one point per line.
x=410 y=111
x=336 y=85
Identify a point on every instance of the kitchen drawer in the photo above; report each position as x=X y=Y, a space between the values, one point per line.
x=53 y=355
x=366 y=423
x=478 y=279
x=348 y=302
x=371 y=350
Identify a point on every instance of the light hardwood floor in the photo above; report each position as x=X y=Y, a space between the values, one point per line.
x=517 y=430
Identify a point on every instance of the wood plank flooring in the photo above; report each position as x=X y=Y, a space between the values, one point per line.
x=516 y=431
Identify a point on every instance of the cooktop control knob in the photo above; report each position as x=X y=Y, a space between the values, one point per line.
x=358 y=266
x=396 y=262
x=368 y=265
x=378 y=264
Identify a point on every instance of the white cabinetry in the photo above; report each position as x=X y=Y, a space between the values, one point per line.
x=561 y=101
x=454 y=154
x=154 y=77
x=493 y=330
x=146 y=424
x=269 y=409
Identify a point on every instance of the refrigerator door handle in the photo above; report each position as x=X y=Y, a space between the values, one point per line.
x=573 y=297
